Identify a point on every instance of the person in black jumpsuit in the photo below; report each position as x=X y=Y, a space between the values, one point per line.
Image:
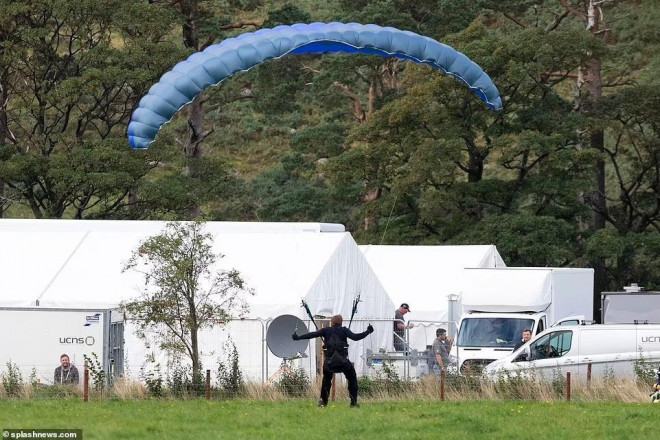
x=336 y=356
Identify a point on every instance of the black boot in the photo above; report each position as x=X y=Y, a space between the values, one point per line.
x=321 y=404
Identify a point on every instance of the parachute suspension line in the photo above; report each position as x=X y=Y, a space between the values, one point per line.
x=388 y=219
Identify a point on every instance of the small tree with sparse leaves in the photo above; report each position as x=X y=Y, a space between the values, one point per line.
x=184 y=290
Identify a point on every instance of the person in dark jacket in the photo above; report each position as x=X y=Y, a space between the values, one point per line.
x=66 y=373
x=526 y=336
x=336 y=356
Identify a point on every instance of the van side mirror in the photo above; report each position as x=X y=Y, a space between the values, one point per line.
x=522 y=357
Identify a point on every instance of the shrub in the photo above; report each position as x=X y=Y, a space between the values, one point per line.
x=182 y=382
x=512 y=385
x=293 y=382
x=367 y=386
x=230 y=377
x=96 y=371
x=153 y=380
x=12 y=380
x=385 y=381
x=645 y=371
x=558 y=383
x=463 y=383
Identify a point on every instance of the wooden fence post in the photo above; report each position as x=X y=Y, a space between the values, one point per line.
x=442 y=384
x=333 y=389
x=208 y=384
x=86 y=383
x=568 y=386
x=589 y=375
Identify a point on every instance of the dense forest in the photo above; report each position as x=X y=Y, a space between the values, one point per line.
x=567 y=174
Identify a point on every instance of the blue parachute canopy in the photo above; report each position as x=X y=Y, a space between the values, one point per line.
x=216 y=63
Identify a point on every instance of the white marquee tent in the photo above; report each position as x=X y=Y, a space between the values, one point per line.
x=424 y=277
x=77 y=264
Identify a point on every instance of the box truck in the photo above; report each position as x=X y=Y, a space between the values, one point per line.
x=499 y=303
x=612 y=351
x=631 y=306
x=36 y=337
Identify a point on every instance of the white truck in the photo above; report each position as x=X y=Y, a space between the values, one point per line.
x=499 y=303
x=632 y=306
x=34 y=338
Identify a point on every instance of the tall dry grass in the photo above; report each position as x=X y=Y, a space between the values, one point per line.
x=273 y=392
x=457 y=389
x=471 y=389
x=128 y=389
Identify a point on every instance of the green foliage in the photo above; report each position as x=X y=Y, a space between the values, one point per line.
x=385 y=381
x=511 y=385
x=628 y=257
x=645 y=371
x=463 y=383
x=559 y=382
x=516 y=385
x=34 y=379
x=326 y=140
x=153 y=380
x=72 y=77
x=397 y=152
x=183 y=382
x=608 y=374
x=199 y=419
x=183 y=294
x=287 y=14
x=96 y=371
x=293 y=382
x=526 y=240
x=12 y=380
x=290 y=419
x=230 y=377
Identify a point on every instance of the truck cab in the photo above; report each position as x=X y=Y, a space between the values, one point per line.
x=485 y=337
x=499 y=303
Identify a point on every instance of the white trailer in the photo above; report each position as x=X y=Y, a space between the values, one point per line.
x=632 y=306
x=35 y=338
x=499 y=303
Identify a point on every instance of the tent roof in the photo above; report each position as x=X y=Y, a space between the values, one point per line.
x=153 y=226
x=423 y=276
x=78 y=263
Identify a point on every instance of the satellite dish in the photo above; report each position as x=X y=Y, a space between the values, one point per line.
x=278 y=337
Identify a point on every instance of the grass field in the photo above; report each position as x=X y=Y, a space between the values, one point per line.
x=301 y=419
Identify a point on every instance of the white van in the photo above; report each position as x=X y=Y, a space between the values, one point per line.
x=612 y=351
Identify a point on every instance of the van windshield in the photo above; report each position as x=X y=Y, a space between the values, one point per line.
x=492 y=332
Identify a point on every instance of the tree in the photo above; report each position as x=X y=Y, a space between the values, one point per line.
x=200 y=21
x=70 y=76
x=616 y=102
x=184 y=292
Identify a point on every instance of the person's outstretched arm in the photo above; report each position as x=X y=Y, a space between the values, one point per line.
x=358 y=336
x=309 y=335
